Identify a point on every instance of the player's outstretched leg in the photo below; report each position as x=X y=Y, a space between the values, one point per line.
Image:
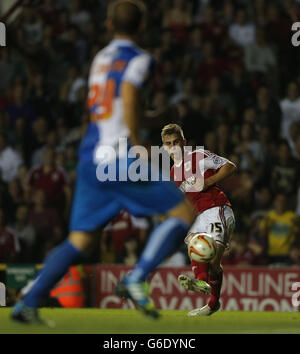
x=215 y=281
x=214 y=301
x=55 y=266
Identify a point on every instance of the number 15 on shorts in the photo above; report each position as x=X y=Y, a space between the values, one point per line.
x=216 y=227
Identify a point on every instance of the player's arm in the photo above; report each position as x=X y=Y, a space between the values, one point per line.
x=223 y=167
x=224 y=172
x=131 y=109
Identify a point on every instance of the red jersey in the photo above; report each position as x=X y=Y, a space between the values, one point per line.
x=200 y=163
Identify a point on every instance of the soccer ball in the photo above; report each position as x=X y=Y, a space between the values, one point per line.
x=202 y=247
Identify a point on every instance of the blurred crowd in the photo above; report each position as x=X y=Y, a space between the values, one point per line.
x=226 y=72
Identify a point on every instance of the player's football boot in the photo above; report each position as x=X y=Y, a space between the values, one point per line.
x=24 y=314
x=199 y=286
x=138 y=292
x=204 y=311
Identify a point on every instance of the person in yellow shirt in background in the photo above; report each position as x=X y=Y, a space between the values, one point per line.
x=279 y=229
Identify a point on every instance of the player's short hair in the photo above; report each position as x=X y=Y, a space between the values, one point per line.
x=126 y=15
x=172 y=129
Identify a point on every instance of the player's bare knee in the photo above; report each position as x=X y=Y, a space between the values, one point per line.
x=183 y=211
x=81 y=240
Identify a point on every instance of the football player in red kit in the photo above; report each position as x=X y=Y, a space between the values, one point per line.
x=197 y=174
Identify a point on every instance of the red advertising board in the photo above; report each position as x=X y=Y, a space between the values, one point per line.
x=244 y=289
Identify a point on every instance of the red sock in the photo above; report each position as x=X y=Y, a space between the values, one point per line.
x=200 y=270
x=215 y=281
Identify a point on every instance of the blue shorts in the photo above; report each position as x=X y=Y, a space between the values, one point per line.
x=95 y=203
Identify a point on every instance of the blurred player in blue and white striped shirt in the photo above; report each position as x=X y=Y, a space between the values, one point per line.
x=118 y=74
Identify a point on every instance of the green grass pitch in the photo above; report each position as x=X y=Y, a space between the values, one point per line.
x=105 y=321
